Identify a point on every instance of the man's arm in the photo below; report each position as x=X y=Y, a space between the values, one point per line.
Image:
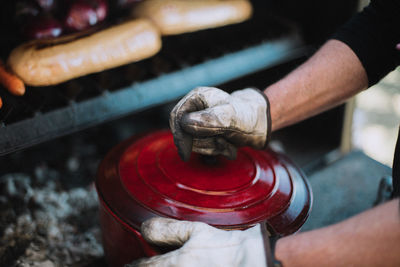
x=365 y=53
x=327 y=79
x=371 y=238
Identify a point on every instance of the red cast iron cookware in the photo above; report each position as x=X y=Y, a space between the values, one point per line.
x=144 y=177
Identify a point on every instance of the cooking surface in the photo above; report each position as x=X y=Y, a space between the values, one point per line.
x=208 y=57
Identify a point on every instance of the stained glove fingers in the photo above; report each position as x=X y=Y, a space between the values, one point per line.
x=209 y=122
x=214 y=146
x=183 y=141
x=163 y=231
x=209 y=96
x=198 y=99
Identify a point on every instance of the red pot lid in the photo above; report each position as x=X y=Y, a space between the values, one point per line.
x=144 y=177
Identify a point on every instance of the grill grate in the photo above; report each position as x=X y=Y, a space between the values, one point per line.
x=207 y=57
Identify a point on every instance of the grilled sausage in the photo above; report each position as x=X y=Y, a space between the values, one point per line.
x=49 y=62
x=181 y=16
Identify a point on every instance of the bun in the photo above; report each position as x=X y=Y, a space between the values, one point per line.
x=49 y=62
x=181 y=16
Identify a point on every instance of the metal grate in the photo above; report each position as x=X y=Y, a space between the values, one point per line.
x=208 y=57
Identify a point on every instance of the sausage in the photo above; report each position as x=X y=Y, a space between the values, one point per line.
x=11 y=82
x=49 y=62
x=181 y=16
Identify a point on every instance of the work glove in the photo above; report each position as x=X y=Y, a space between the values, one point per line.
x=202 y=245
x=210 y=121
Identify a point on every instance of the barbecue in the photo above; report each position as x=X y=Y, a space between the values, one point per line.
x=54 y=137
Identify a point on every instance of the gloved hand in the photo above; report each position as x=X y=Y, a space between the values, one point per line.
x=211 y=122
x=202 y=245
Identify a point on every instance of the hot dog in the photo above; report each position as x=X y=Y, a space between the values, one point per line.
x=49 y=62
x=181 y=16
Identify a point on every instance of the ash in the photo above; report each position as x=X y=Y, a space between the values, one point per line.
x=48 y=202
x=44 y=225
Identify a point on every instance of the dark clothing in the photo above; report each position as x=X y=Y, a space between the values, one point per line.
x=396 y=169
x=372 y=35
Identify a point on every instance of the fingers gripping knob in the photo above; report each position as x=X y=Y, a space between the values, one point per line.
x=240 y=119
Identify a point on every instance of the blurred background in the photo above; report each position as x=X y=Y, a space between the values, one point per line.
x=376 y=119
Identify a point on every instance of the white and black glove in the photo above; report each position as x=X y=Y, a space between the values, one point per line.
x=211 y=122
x=202 y=245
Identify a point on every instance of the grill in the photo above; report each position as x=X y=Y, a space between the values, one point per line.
x=204 y=58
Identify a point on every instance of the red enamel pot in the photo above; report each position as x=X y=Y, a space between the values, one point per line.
x=144 y=177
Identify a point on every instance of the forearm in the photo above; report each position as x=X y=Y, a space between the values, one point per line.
x=327 y=79
x=371 y=238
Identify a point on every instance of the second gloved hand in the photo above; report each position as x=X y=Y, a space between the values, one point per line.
x=202 y=245
x=211 y=122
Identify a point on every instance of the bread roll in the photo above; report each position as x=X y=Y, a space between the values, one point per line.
x=181 y=16
x=49 y=62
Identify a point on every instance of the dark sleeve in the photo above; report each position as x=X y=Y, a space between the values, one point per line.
x=396 y=169
x=373 y=34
